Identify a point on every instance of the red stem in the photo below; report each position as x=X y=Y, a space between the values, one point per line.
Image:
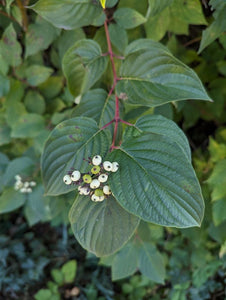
x=111 y=54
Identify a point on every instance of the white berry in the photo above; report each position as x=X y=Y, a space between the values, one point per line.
x=75 y=176
x=107 y=190
x=94 y=184
x=100 y=198
x=96 y=160
x=115 y=166
x=107 y=165
x=26 y=184
x=94 y=198
x=32 y=183
x=67 y=179
x=18 y=178
x=103 y=178
x=28 y=190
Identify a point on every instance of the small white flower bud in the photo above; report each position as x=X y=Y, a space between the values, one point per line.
x=94 y=184
x=96 y=160
x=115 y=166
x=29 y=190
x=107 y=190
x=103 y=177
x=18 y=177
x=107 y=165
x=75 y=176
x=67 y=179
x=23 y=190
x=26 y=184
x=32 y=183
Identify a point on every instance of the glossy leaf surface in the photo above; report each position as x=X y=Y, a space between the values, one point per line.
x=101 y=228
x=68 y=145
x=156 y=181
x=152 y=76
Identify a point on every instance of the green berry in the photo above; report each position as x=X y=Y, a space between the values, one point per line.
x=95 y=170
x=87 y=178
x=98 y=192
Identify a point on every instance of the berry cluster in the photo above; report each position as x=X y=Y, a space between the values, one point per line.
x=93 y=183
x=23 y=187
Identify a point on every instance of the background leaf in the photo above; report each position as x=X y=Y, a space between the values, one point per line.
x=83 y=65
x=39 y=36
x=10 y=48
x=97 y=105
x=151 y=263
x=68 y=14
x=11 y=200
x=128 y=18
x=101 y=228
x=68 y=144
x=152 y=76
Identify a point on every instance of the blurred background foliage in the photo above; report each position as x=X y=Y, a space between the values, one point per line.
x=39 y=257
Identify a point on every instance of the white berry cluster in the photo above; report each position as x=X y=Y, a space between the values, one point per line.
x=23 y=187
x=93 y=183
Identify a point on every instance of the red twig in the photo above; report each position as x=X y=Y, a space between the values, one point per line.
x=116 y=119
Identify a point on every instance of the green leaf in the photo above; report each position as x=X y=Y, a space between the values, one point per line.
x=151 y=263
x=217 y=181
x=34 y=102
x=83 y=65
x=219 y=211
x=175 y=18
x=68 y=144
x=39 y=36
x=51 y=87
x=67 y=39
x=156 y=6
x=69 y=271
x=28 y=126
x=36 y=74
x=11 y=200
x=4 y=131
x=4 y=85
x=151 y=76
x=10 y=48
x=68 y=14
x=156 y=181
x=101 y=228
x=125 y=262
x=160 y=125
x=97 y=105
x=57 y=276
x=37 y=208
x=217 y=27
x=118 y=36
x=128 y=18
